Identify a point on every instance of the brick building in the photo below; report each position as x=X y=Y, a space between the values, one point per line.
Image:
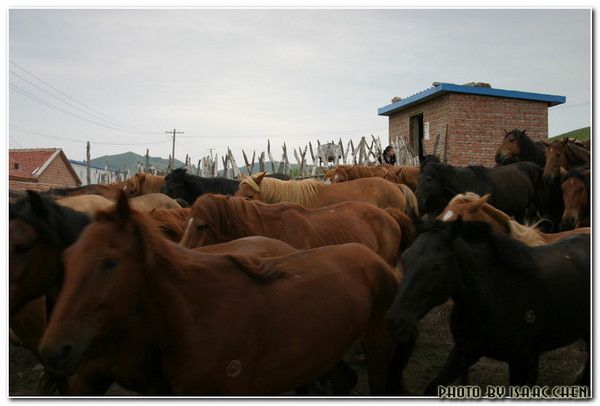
x=40 y=169
x=464 y=124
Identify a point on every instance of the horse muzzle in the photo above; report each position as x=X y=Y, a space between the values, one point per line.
x=61 y=359
x=568 y=223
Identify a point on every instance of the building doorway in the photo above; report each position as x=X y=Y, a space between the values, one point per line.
x=416 y=134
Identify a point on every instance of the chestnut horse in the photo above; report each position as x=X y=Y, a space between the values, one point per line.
x=171 y=222
x=344 y=173
x=188 y=330
x=407 y=175
x=565 y=154
x=472 y=207
x=312 y=194
x=576 y=197
x=39 y=232
x=219 y=218
x=143 y=183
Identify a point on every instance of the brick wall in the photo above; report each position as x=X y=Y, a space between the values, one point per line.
x=476 y=125
x=57 y=173
x=435 y=112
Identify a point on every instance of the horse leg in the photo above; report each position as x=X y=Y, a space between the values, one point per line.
x=524 y=370
x=456 y=365
x=402 y=353
x=379 y=351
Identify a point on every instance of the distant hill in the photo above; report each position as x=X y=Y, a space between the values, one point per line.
x=129 y=160
x=581 y=134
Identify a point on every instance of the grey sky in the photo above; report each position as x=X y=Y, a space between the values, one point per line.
x=237 y=77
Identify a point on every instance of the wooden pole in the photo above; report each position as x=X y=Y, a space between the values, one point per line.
x=88 y=177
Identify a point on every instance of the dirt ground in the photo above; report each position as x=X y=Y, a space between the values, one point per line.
x=433 y=345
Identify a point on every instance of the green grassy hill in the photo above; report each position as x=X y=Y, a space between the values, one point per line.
x=581 y=134
x=129 y=160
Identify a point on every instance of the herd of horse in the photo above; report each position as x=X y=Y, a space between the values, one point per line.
x=183 y=285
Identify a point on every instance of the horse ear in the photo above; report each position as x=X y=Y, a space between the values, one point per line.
x=563 y=171
x=565 y=141
x=545 y=143
x=523 y=132
x=505 y=132
x=37 y=204
x=479 y=202
x=258 y=177
x=123 y=211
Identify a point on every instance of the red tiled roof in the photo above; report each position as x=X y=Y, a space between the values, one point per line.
x=29 y=161
x=28 y=164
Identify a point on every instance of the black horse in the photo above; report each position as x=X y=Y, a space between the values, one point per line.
x=517 y=146
x=511 y=301
x=516 y=189
x=182 y=185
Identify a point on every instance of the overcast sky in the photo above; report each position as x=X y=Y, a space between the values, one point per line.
x=237 y=77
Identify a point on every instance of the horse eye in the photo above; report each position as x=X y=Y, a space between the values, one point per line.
x=22 y=248
x=202 y=226
x=109 y=264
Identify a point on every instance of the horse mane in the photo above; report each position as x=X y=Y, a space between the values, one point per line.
x=59 y=222
x=152 y=183
x=512 y=254
x=303 y=192
x=577 y=172
x=427 y=159
x=159 y=252
x=88 y=189
x=440 y=171
x=529 y=235
x=222 y=212
x=480 y=171
x=412 y=204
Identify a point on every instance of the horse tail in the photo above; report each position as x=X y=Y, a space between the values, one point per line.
x=412 y=205
x=407 y=227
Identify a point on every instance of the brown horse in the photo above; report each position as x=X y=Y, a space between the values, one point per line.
x=312 y=194
x=565 y=154
x=472 y=207
x=171 y=222
x=406 y=175
x=576 y=197
x=517 y=146
x=91 y=204
x=186 y=319
x=344 y=173
x=144 y=183
x=219 y=218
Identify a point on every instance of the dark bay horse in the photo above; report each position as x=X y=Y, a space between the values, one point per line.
x=186 y=319
x=517 y=146
x=511 y=301
x=515 y=189
x=576 y=198
x=181 y=185
x=39 y=231
x=218 y=218
x=311 y=193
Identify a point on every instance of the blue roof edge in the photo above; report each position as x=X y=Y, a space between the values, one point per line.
x=441 y=88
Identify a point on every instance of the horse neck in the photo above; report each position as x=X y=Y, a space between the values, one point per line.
x=501 y=220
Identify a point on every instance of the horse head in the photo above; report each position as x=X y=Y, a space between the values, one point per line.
x=202 y=226
x=104 y=272
x=576 y=198
x=250 y=187
x=39 y=231
x=174 y=184
x=510 y=146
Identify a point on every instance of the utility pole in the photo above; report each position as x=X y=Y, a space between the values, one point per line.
x=147 y=168
x=87 y=155
x=172 y=160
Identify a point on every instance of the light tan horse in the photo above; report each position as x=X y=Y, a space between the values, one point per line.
x=312 y=194
x=472 y=207
x=91 y=204
x=144 y=183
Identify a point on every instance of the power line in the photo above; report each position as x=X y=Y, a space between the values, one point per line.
x=300 y=134
x=13 y=140
x=73 y=99
x=66 y=102
x=53 y=106
x=571 y=105
x=44 y=135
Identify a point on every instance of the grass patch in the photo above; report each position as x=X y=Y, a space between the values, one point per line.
x=581 y=134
